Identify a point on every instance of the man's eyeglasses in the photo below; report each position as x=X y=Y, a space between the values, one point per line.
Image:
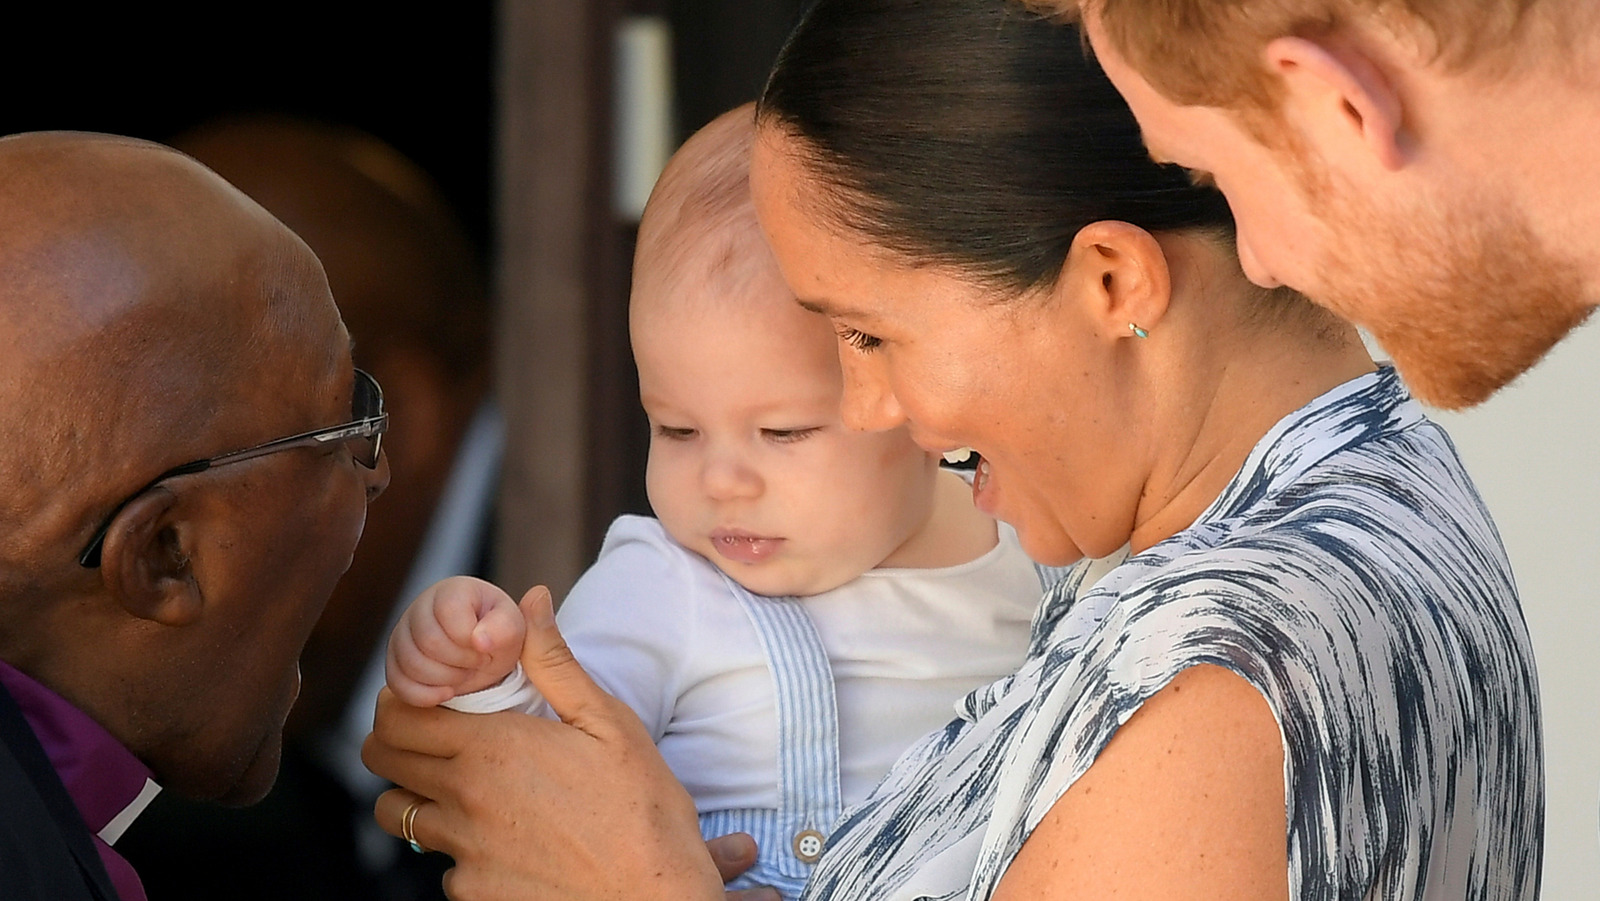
x=364 y=434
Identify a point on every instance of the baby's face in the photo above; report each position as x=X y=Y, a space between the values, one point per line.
x=750 y=464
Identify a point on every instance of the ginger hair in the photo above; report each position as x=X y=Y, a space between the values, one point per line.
x=1208 y=52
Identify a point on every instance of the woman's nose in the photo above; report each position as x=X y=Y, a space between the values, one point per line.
x=868 y=404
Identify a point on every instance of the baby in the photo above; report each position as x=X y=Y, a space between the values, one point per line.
x=810 y=600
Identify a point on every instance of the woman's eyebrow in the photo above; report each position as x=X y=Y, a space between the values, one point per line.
x=829 y=308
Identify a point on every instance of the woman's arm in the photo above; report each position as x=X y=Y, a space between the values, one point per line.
x=1186 y=801
x=579 y=809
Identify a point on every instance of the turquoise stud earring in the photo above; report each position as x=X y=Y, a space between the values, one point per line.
x=1138 y=331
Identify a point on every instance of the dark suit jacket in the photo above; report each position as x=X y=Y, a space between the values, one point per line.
x=46 y=851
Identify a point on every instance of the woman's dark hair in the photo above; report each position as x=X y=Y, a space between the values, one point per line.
x=971 y=133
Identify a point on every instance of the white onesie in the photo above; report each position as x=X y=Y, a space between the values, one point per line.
x=666 y=632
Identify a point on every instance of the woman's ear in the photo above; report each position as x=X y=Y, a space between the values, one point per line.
x=1119 y=271
x=145 y=561
x=1342 y=100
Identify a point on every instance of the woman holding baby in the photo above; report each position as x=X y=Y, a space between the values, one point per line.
x=1293 y=663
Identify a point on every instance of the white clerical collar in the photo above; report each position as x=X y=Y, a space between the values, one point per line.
x=120 y=823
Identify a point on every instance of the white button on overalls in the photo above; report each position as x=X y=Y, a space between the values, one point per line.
x=808 y=845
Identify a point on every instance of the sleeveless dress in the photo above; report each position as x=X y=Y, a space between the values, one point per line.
x=1352 y=575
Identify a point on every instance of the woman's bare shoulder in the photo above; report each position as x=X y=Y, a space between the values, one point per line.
x=1186 y=801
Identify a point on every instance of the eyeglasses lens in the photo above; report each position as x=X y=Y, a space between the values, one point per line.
x=366 y=402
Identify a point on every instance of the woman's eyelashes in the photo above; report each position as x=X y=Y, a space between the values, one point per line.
x=858 y=340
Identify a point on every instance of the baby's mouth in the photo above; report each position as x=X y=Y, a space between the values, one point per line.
x=742 y=547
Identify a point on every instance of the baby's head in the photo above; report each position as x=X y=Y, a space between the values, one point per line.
x=750 y=464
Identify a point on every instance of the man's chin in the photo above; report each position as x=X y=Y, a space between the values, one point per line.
x=258 y=777
x=1455 y=371
x=242 y=784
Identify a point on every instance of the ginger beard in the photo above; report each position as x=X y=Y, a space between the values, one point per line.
x=1460 y=293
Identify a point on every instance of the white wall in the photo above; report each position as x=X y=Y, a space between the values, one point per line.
x=1534 y=451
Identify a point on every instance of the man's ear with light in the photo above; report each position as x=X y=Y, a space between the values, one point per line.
x=145 y=562
x=1341 y=99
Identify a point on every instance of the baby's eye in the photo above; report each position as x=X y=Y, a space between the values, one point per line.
x=789 y=436
x=672 y=433
x=857 y=339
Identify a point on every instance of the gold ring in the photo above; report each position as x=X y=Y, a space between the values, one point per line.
x=408 y=822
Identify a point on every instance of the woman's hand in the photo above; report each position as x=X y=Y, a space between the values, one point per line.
x=528 y=807
x=733 y=855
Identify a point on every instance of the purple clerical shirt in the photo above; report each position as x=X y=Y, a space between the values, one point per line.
x=107 y=783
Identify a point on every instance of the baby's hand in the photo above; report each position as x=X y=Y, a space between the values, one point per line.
x=459 y=636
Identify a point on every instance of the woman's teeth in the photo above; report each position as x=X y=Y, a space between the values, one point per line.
x=959 y=455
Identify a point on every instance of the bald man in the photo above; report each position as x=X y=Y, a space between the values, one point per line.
x=409 y=286
x=1422 y=168
x=187 y=459
x=408 y=282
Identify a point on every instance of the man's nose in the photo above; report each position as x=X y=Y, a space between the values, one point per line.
x=1251 y=264
x=377 y=478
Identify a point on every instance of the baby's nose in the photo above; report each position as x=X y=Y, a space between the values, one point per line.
x=728 y=476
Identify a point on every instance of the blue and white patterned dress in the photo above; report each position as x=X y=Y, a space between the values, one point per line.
x=1349 y=572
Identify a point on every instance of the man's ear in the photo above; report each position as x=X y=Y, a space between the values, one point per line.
x=145 y=563
x=1120 y=272
x=1341 y=97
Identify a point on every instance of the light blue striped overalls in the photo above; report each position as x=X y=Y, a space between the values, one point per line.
x=790 y=838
